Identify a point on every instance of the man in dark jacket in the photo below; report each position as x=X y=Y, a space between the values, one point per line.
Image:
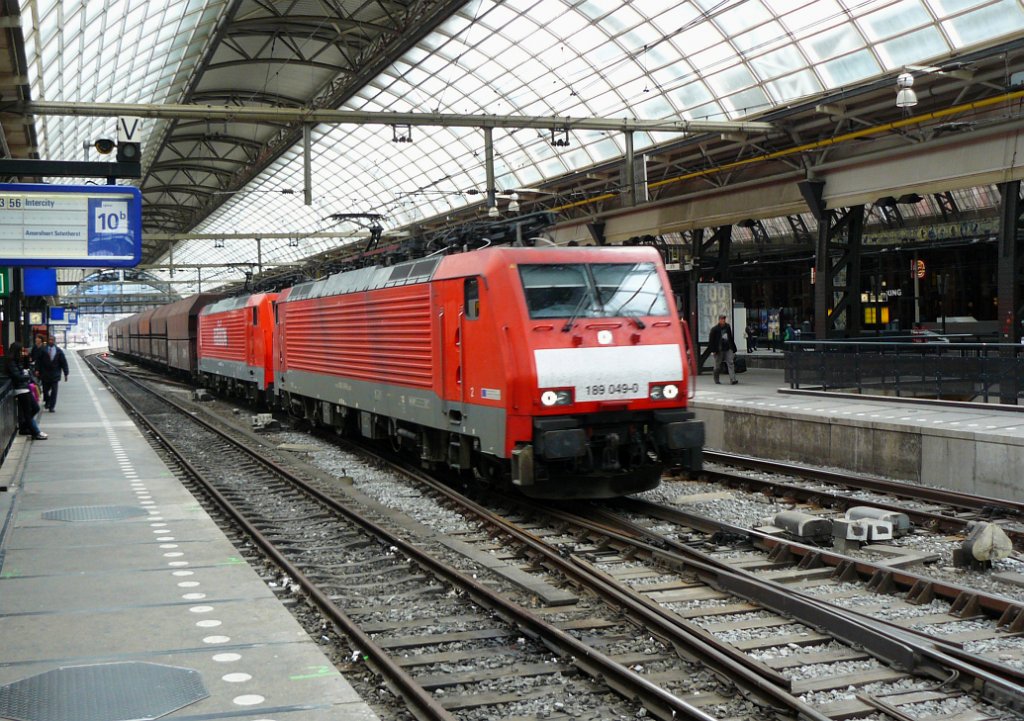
x=50 y=364
x=722 y=343
x=37 y=350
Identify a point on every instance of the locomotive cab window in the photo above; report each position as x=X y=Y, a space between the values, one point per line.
x=629 y=289
x=596 y=290
x=255 y=315
x=471 y=291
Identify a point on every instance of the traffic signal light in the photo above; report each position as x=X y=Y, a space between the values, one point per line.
x=129 y=153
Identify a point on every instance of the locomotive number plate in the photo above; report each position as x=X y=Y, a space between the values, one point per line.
x=610 y=390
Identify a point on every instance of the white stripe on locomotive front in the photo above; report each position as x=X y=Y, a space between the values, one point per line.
x=623 y=372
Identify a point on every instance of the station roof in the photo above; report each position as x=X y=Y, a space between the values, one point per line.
x=726 y=60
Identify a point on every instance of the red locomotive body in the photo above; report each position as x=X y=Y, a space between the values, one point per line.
x=561 y=370
x=235 y=345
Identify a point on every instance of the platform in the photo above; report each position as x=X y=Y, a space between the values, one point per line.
x=973 y=448
x=120 y=597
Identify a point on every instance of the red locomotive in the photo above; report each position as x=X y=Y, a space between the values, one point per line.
x=236 y=353
x=560 y=370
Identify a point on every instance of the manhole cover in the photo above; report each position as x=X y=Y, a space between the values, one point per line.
x=102 y=692
x=93 y=513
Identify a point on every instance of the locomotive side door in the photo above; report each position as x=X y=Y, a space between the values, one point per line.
x=254 y=346
x=448 y=302
x=459 y=310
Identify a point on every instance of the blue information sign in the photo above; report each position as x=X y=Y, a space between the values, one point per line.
x=63 y=316
x=70 y=225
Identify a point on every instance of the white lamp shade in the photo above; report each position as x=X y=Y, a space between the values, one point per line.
x=906 y=98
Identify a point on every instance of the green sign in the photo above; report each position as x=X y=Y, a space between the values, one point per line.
x=5 y=282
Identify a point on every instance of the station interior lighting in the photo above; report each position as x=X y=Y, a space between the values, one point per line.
x=905 y=96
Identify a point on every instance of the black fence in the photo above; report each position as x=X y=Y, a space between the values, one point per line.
x=939 y=369
x=8 y=419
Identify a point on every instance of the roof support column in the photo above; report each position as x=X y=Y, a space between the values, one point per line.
x=629 y=174
x=1010 y=278
x=489 y=166
x=701 y=249
x=307 y=163
x=837 y=310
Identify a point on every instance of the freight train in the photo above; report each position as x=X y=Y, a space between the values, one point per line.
x=564 y=372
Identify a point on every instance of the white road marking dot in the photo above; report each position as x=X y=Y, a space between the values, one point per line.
x=249 y=699
x=194 y=596
x=227 y=657
x=177 y=564
x=201 y=609
x=166 y=538
x=168 y=545
x=236 y=677
x=183 y=573
x=209 y=623
x=157 y=525
x=216 y=639
x=173 y=554
x=188 y=584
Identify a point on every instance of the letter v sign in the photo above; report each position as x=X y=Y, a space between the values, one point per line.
x=129 y=129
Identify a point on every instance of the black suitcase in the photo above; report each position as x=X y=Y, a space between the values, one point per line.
x=739 y=363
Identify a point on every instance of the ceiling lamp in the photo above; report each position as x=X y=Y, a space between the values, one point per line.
x=905 y=96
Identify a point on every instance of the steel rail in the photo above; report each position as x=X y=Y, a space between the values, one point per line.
x=1004 y=681
x=595 y=663
x=729 y=662
x=421 y=703
x=870 y=483
x=995 y=606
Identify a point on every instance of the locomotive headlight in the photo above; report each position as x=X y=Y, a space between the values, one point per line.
x=664 y=392
x=556 y=398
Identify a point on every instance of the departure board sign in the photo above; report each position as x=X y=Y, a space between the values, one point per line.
x=70 y=225
x=713 y=300
x=63 y=316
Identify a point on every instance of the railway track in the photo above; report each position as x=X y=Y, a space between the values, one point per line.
x=929 y=507
x=451 y=645
x=797 y=656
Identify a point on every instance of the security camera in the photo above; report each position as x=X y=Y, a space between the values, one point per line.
x=104 y=146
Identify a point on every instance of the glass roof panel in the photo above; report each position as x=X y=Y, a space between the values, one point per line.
x=906 y=49
x=645 y=58
x=849 y=68
x=141 y=73
x=793 y=86
x=895 y=19
x=833 y=42
x=997 y=19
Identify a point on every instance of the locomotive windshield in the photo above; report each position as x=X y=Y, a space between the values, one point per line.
x=593 y=290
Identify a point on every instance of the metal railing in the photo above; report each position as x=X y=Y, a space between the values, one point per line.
x=984 y=372
x=8 y=419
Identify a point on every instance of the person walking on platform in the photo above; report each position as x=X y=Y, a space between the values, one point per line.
x=15 y=371
x=37 y=350
x=50 y=365
x=722 y=343
x=751 y=338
